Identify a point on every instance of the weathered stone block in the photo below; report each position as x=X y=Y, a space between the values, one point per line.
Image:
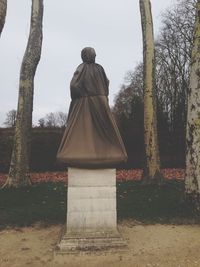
x=91 y=211
x=91 y=178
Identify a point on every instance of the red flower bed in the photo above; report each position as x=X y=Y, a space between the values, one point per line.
x=127 y=175
x=122 y=175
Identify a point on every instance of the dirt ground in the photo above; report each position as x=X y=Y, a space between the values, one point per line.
x=148 y=245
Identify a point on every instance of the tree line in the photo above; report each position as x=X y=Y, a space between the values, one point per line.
x=163 y=90
x=50 y=120
x=175 y=78
x=172 y=70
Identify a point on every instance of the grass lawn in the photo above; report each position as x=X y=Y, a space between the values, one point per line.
x=46 y=203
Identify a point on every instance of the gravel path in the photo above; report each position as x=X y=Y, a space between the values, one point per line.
x=148 y=245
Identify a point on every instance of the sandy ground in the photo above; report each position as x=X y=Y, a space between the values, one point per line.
x=152 y=245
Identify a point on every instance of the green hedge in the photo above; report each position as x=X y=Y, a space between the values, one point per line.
x=45 y=143
x=44 y=146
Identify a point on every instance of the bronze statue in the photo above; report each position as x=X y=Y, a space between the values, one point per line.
x=91 y=138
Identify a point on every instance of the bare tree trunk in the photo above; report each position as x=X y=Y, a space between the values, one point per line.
x=3 y=9
x=19 y=166
x=192 y=181
x=152 y=168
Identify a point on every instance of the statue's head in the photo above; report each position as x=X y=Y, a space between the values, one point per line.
x=88 y=55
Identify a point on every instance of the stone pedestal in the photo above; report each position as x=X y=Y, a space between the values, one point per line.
x=91 y=211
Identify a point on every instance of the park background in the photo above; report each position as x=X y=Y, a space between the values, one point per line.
x=120 y=52
x=41 y=208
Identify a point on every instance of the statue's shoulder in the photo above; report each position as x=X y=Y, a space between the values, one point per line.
x=99 y=66
x=79 y=69
x=103 y=72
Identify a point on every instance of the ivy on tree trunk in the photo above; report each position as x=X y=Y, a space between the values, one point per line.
x=19 y=166
x=192 y=181
x=152 y=158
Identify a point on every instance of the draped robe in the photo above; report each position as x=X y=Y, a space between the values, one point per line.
x=91 y=138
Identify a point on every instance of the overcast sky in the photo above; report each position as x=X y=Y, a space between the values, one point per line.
x=112 y=27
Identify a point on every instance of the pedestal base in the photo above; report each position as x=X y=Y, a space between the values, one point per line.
x=91 y=212
x=90 y=242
